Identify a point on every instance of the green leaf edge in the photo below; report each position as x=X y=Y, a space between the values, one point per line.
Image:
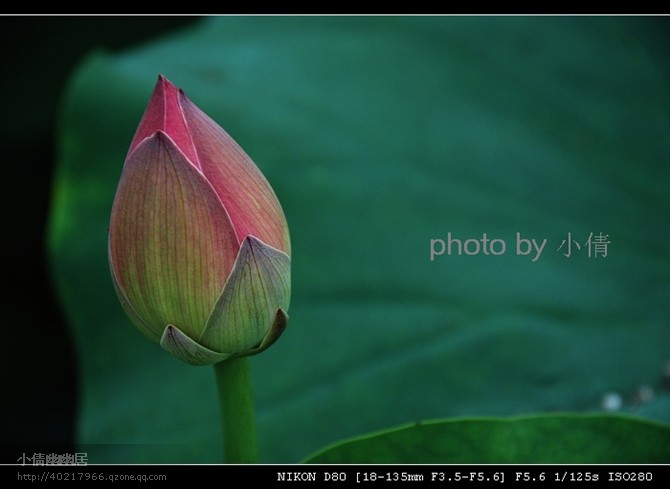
x=316 y=457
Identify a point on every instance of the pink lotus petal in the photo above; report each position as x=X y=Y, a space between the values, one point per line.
x=164 y=113
x=171 y=243
x=244 y=314
x=247 y=196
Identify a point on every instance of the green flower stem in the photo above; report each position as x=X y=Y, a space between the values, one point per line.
x=233 y=380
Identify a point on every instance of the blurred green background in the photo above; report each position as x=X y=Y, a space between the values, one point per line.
x=378 y=135
x=38 y=378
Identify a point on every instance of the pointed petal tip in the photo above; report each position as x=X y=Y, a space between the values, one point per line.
x=168 y=90
x=166 y=142
x=164 y=112
x=165 y=84
x=257 y=244
x=278 y=326
x=177 y=343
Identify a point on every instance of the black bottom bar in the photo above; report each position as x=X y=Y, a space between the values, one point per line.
x=347 y=475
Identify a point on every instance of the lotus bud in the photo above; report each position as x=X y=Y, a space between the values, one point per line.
x=199 y=247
